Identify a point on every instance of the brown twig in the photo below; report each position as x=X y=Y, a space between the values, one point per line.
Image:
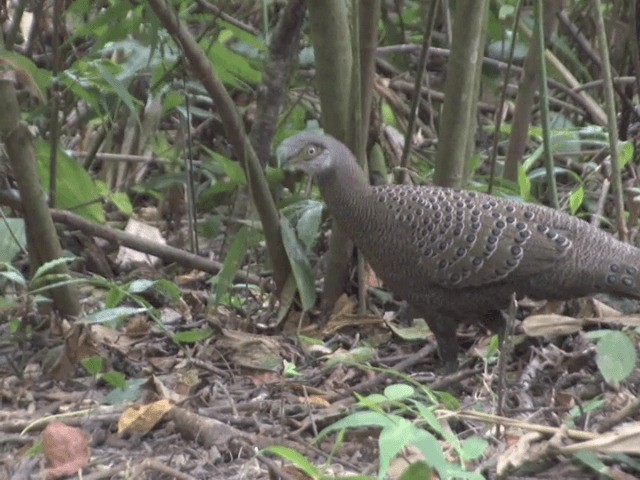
x=165 y=252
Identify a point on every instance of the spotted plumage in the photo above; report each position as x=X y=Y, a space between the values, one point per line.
x=457 y=256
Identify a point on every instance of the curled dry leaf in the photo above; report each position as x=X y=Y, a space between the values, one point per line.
x=142 y=419
x=66 y=450
x=551 y=325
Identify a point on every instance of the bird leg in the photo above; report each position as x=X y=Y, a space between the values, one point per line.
x=444 y=330
x=496 y=323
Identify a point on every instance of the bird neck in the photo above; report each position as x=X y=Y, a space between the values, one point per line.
x=344 y=187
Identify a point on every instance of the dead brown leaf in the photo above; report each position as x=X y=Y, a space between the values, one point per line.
x=142 y=419
x=66 y=450
x=550 y=325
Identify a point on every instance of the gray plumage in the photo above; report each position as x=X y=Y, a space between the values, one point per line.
x=457 y=256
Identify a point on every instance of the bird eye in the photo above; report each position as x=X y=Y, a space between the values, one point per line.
x=311 y=150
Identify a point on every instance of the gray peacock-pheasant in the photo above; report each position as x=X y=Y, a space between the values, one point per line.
x=457 y=256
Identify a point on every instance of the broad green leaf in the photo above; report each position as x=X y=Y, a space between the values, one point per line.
x=168 y=288
x=39 y=79
x=140 y=285
x=474 y=447
x=373 y=399
x=115 y=379
x=393 y=439
x=308 y=225
x=575 y=200
x=14 y=277
x=431 y=449
x=232 y=69
x=242 y=35
x=356 y=355
x=232 y=169
x=119 y=199
x=115 y=296
x=626 y=150
x=122 y=202
x=93 y=365
x=103 y=22
x=120 y=89
x=12 y=238
x=399 y=391
x=75 y=188
x=388 y=117
x=616 y=356
x=235 y=255
x=300 y=266
x=427 y=414
x=417 y=471
x=193 y=336
x=359 y=420
x=129 y=394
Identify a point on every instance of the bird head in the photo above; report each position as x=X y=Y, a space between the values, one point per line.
x=307 y=152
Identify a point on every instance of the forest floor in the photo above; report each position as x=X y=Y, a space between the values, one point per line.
x=213 y=408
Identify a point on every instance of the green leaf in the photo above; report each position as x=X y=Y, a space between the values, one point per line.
x=103 y=22
x=399 y=391
x=296 y=459
x=392 y=441
x=193 y=336
x=591 y=460
x=115 y=379
x=113 y=314
x=474 y=447
x=575 y=200
x=615 y=356
x=428 y=416
x=388 y=117
x=300 y=266
x=140 y=285
x=122 y=202
x=431 y=449
x=119 y=89
x=308 y=225
x=524 y=183
x=242 y=35
x=354 y=356
x=40 y=78
x=373 y=399
x=359 y=420
x=232 y=169
x=75 y=188
x=129 y=394
x=626 y=150
x=417 y=471
x=168 y=288
x=47 y=267
x=93 y=365
x=115 y=296
x=14 y=277
x=235 y=255
x=232 y=69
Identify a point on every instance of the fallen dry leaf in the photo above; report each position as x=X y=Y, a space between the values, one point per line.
x=550 y=325
x=624 y=439
x=141 y=420
x=66 y=450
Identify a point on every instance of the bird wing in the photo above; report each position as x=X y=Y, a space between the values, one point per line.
x=466 y=239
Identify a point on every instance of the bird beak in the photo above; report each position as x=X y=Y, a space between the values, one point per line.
x=287 y=156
